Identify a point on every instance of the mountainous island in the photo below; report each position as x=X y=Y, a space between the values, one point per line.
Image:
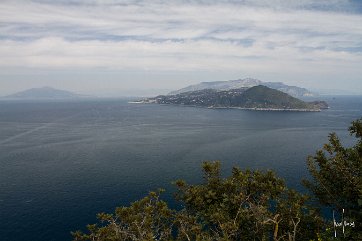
x=44 y=93
x=246 y=83
x=254 y=98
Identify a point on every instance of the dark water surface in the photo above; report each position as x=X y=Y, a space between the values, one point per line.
x=63 y=162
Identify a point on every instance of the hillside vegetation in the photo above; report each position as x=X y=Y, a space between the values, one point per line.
x=257 y=97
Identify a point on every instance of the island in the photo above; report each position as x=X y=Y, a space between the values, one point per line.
x=44 y=93
x=255 y=98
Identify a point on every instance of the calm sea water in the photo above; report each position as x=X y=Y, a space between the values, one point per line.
x=63 y=162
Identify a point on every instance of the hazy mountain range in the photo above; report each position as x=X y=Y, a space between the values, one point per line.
x=246 y=83
x=52 y=93
x=45 y=93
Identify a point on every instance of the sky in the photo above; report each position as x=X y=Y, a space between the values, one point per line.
x=145 y=47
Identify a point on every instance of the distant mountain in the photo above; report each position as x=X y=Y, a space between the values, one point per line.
x=257 y=97
x=291 y=90
x=44 y=93
x=245 y=83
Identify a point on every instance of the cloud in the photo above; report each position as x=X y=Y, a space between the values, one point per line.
x=181 y=35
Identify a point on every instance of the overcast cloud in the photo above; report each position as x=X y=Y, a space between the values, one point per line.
x=95 y=45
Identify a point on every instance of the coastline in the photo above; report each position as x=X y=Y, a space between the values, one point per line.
x=238 y=108
x=267 y=109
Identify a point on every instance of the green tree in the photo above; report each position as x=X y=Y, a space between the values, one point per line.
x=248 y=205
x=146 y=219
x=337 y=176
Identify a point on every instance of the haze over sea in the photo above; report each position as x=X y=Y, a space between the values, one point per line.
x=63 y=162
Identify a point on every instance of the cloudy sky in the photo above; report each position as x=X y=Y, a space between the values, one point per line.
x=128 y=47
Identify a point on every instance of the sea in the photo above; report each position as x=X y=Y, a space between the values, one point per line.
x=62 y=162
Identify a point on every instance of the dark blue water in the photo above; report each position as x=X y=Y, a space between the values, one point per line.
x=63 y=162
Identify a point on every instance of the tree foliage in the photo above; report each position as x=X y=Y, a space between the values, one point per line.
x=146 y=219
x=247 y=205
x=337 y=175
